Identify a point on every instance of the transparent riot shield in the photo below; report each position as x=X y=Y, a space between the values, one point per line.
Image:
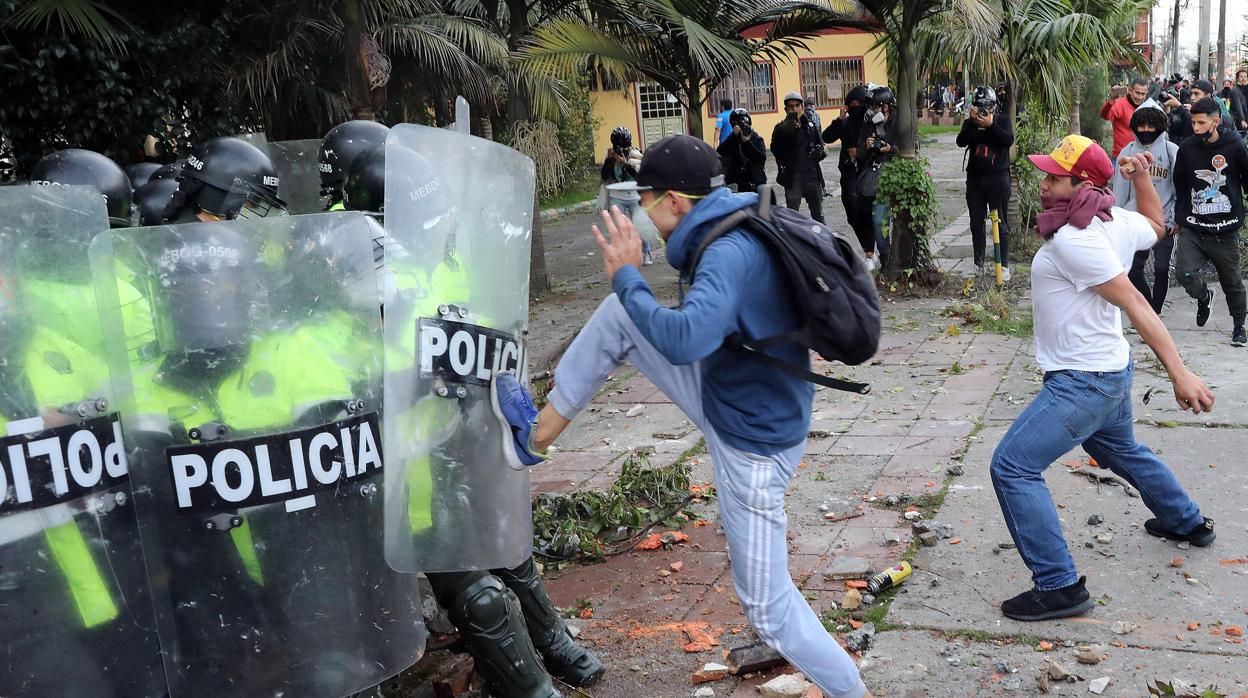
x=298 y=173
x=258 y=139
x=75 y=609
x=254 y=429
x=460 y=208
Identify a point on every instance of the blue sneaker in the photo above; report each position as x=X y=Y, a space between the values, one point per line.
x=518 y=417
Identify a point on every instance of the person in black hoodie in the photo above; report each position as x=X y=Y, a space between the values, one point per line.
x=846 y=128
x=1210 y=178
x=743 y=153
x=988 y=140
x=877 y=145
x=798 y=148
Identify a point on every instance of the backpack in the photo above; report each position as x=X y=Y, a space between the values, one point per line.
x=833 y=290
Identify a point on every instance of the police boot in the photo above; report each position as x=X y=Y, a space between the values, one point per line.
x=489 y=618
x=571 y=663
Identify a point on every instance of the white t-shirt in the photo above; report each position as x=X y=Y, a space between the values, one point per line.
x=1076 y=328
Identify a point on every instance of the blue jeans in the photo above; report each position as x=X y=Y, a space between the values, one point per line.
x=879 y=214
x=1074 y=408
x=628 y=208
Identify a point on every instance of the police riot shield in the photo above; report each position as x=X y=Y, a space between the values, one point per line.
x=74 y=604
x=258 y=139
x=460 y=210
x=298 y=172
x=253 y=424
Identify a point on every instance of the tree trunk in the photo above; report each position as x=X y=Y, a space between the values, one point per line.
x=907 y=97
x=693 y=112
x=518 y=106
x=539 y=279
x=358 y=89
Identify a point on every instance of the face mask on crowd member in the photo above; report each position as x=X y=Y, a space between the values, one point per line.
x=1206 y=119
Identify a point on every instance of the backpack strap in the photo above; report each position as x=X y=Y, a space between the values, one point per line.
x=817 y=378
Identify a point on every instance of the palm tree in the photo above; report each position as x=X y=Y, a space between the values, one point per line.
x=687 y=47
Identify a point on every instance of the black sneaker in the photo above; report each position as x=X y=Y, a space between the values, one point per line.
x=1200 y=536
x=1238 y=338
x=1202 y=307
x=1073 y=600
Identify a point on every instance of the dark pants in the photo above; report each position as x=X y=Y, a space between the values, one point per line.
x=811 y=191
x=858 y=219
x=1162 y=252
x=1194 y=249
x=985 y=193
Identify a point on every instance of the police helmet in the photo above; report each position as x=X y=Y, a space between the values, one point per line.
x=87 y=167
x=140 y=173
x=151 y=200
x=621 y=137
x=365 y=186
x=230 y=178
x=427 y=204
x=881 y=96
x=340 y=146
x=171 y=171
x=740 y=117
x=984 y=97
x=207 y=291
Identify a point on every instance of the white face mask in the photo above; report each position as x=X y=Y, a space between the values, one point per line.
x=878 y=117
x=646 y=228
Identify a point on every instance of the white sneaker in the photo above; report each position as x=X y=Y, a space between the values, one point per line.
x=1005 y=274
x=646 y=259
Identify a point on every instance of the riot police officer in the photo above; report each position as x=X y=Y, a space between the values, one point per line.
x=490 y=608
x=76 y=610
x=222 y=179
x=339 y=148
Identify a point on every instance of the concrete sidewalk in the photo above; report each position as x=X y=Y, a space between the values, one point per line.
x=938 y=401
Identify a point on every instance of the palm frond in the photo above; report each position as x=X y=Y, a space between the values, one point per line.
x=95 y=21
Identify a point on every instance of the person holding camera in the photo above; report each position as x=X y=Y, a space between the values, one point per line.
x=620 y=165
x=744 y=154
x=1119 y=107
x=987 y=140
x=846 y=128
x=876 y=147
x=798 y=149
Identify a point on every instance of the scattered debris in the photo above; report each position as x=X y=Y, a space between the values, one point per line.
x=753 y=658
x=1045 y=646
x=574 y=629
x=833 y=517
x=1176 y=562
x=665 y=573
x=955 y=470
x=928 y=538
x=1012 y=683
x=1089 y=654
x=860 y=639
x=710 y=672
x=868 y=599
x=912 y=516
x=847 y=568
x=704 y=692
x=1121 y=627
x=453 y=678
x=1102 y=478
x=892 y=537
x=1098 y=686
x=1234 y=631
x=1055 y=671
x=942 y=530
x=1193 y=625
x=654 y=541
x=1104 y=538
x=1096 y=520
x=785 y=686
x=954 y=541
x=1005 y=667
x=1183 y=545
x=891 y=577
x=677 y=566
x=852 y=601
x=635 y=410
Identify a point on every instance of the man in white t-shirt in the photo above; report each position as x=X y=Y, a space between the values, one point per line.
x=1079 y=292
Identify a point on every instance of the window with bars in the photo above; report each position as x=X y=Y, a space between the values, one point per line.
x=657 y=103
x=828 y=80
x=753 y=89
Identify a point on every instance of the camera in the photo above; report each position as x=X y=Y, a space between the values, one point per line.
x=876 y=146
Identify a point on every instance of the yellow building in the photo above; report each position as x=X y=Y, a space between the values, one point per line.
x=836 y=61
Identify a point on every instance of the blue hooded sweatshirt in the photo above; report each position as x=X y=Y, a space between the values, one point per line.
x=738 y=289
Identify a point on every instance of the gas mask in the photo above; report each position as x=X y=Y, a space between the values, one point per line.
x=878 y=117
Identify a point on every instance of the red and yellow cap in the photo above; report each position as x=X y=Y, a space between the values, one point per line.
x=1077 y=156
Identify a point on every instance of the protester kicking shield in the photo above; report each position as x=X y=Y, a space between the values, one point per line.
x=755 y=417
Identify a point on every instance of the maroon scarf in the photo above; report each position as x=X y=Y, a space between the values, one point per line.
x=1079 y=210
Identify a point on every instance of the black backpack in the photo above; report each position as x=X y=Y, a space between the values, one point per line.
x=831 y=285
